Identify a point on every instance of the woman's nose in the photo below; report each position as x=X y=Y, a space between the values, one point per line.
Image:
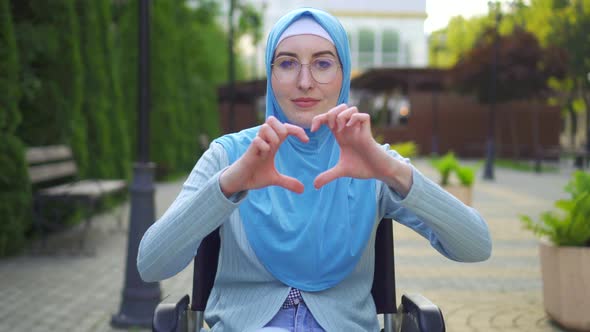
x=305 y=80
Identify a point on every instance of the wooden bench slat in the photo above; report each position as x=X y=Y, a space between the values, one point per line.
x=53 y=171
x=41 y=154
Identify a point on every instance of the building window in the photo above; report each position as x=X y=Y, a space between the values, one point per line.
x=390 y=47
x=366 y=48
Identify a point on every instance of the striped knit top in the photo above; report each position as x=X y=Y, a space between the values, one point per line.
x=246 y=296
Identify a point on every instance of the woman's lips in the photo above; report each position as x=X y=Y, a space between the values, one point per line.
x=305 y=102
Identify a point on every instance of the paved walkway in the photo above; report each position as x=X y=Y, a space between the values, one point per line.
x=63 y=292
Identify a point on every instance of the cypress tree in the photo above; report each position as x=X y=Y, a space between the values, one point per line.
x=96 y=103
x=116 y=114
x=10 y=116
x=15 y=192
x=125 y=61
x=188 y=125
x=164 y=119
x=211 y=72
x=187 y=62
x=52 y=75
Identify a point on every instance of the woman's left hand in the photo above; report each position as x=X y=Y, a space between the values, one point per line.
x=361 y=156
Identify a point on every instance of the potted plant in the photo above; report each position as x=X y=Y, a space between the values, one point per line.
x=462 y=187
x=407 y=149
x=564 y=252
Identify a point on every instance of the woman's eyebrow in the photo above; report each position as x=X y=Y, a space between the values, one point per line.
x=294 y=55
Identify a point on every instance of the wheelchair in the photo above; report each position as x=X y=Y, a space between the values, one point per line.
x=415 y=314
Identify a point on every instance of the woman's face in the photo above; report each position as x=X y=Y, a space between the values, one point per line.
x=299 y=94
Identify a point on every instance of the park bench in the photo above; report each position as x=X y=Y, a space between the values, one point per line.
x=53 y=174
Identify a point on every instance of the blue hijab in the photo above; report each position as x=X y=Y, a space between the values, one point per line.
x=313 y=240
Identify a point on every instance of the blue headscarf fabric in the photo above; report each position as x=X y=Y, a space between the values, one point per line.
x=312 y=240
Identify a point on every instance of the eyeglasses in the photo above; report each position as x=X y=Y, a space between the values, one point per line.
x=323 y=70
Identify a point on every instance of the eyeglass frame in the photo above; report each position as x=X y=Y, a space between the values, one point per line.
x=336 y=61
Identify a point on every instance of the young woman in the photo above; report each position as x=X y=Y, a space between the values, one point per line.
x=298 y=199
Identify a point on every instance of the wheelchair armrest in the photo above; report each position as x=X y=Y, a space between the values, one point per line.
x=420 y=315
x=171 y=317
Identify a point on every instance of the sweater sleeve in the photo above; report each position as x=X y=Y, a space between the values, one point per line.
x=454 y=229
x=170 y=244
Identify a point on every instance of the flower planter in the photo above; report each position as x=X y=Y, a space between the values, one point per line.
x=566 y=284
x=463 y=193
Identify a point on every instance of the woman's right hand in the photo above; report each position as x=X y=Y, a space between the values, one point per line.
x=256 y=168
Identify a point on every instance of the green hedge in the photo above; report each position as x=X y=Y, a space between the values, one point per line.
x=96 y=102
x=69 y=67
x=15 y=195
x=187 y=62
x=15 y=189
x=9 y=89
x=51 y=67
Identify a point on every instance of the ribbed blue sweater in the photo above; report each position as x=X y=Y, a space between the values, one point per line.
x=246 y=296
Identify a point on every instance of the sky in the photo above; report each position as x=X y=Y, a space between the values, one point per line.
x=441 y=11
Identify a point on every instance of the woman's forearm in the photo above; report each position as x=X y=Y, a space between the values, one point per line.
x=171 y=242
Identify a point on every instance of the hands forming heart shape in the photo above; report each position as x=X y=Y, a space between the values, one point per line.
x=360 y=155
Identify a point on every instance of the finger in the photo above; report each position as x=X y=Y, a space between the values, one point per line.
x=290 y=183
x=278 y=127
x=333 y=113
x=268 y=134
x=260 y=147
x=323 y=119
x=318 y=120
x=327 y=176
x=358 y=118
x=344 y=117
x=297 y=132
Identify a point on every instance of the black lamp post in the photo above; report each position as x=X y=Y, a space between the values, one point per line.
x=490 y=146
x=139 y=299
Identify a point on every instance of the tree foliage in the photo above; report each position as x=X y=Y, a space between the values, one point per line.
x=52 y=75
x=188 y=61
x=96 y=102
x=448 y=45
x=9 y=115
x=557 y=24
x=522 y=67
x=68 y=75
x=15 y=191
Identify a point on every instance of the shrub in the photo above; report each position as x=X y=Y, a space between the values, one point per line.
x=407 y=149
x=445 y=165
x=15 y=195
x=571 y=227
x=466 y=175
x=448 y=165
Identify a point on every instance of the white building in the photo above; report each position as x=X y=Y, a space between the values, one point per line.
x=381 y=33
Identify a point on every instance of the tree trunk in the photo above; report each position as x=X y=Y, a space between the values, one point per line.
x=574 y=121
x=232 y=67
x=514 y=134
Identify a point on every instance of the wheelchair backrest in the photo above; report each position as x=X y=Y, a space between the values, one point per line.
x=383 y=289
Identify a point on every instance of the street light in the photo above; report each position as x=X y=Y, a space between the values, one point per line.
x=139 y=299
x=490 y=146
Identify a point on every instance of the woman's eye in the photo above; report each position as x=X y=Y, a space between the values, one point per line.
x=323 y=64
x=287 y=64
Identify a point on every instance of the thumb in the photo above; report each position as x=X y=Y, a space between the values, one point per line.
x=290 y=183
x=327 y=176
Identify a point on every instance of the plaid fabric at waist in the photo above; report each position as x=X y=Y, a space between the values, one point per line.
x=293 y=299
